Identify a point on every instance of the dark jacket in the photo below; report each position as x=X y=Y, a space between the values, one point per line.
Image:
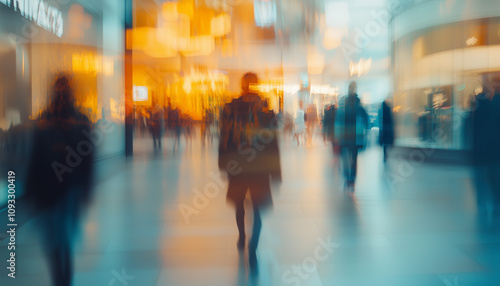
x=482 y=132
x=329 y=122
x=61 y=160
x=351 y=123
x=496 y=127
x=386 y=120
x=248 y=145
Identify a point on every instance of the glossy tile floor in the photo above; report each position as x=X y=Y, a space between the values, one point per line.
x=421 y=230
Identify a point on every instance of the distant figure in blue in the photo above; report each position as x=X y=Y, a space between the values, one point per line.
x=386 y=131
x=59 y=177
x=351 y=129
x=249 y=154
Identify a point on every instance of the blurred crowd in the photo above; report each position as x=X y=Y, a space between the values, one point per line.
x=160 y=121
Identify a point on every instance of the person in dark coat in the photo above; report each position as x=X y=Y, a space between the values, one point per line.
x=386 y=131
x=482 y=152
x=249 y=154
x=59 y=176
x=351 y=129
x=329 y=123
x=496 y=150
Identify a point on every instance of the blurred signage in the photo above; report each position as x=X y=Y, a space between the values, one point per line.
x=140 y=93
x=264 y=13
x=88 y=62
x=39 y=12
x=361 y=67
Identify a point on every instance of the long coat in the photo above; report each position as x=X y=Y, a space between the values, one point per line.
x=351 y=123
x=248 y=149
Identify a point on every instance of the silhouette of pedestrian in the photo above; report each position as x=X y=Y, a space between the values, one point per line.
x=386 y=131
x=60 y=176
x=248 y=152
x=351 y=128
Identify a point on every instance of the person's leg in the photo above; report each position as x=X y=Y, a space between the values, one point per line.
x=354 y=165
x=257 y=226
x=240 y=222
x=385 y=153
x=154 y=139
x=344 y=156
x=61 y=264
x=252 y=246
x=57 y=234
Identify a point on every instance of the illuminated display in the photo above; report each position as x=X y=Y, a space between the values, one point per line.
x=40 y=13
x=360 y=68
x=88 y=62
x=140 y=93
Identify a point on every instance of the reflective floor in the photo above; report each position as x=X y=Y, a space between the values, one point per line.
x=152 y=224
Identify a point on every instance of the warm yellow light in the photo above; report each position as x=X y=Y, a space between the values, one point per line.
x=471 y=41
x=108 y=67
x=160 y=51
x=186 y=7
x=199 y=46
x=169 y=11
x=138 y=38
x=332 y=38
x=227 y=48
x=170 y=31
x=315 y=63
x=220 y=25
x=86 y=62
x=150 y=41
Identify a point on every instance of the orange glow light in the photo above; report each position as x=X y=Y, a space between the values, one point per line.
x=220 y=25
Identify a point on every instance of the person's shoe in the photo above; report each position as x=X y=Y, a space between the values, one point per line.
x=241 y=243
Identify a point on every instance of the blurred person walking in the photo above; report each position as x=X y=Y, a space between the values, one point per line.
x=386 y=131
x=482 y=152
x=495 y=174
x=329 y=123
x=249 y=154
x=351 y=129
x=300 y=124
x=157 y=125
x=59 y=177
x=175 y=122
x=311 y=123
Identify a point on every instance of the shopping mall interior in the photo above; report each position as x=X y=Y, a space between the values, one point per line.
x=250 y=142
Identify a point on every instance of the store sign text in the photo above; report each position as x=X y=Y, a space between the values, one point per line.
x=40 y=13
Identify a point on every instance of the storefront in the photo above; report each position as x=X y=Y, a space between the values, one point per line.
x=439 y=67
x=40 y=39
